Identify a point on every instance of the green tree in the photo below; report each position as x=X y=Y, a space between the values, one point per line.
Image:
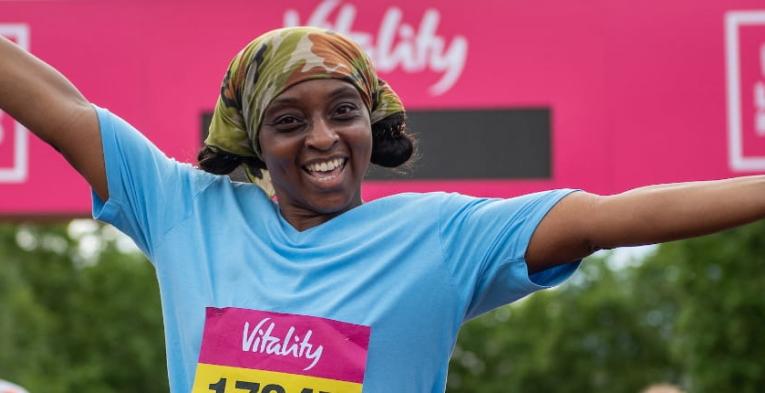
x=75 y=324
x=24 y=323
x=719 y=282
x=692 y=314
x=591 y=335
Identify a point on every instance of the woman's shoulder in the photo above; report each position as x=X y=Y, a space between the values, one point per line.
x=218 y=185
x=449 y=203
x=417 y=202
x=415 y=197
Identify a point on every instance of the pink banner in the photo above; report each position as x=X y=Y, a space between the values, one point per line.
x=639 y=92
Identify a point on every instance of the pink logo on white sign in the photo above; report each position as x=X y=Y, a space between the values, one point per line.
x=745 y=63
x=397 y=45
x=13 y=137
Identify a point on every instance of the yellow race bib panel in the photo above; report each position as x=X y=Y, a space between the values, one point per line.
x=222 y=379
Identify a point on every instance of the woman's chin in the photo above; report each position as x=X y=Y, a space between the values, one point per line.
x=334 y=204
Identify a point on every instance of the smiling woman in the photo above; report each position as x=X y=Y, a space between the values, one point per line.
x=315 y=290
x=261 y=73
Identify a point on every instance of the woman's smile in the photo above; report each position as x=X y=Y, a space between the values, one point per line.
x=326 y=172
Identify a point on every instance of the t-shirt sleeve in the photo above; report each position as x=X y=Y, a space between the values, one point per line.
x=148 y=192
x=484 y=242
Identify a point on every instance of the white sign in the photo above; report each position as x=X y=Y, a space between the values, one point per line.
x=13 y=136
x=759 y=96
x=746 y=96
x=397 y=45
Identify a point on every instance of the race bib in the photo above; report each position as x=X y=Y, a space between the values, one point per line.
x=250 y=351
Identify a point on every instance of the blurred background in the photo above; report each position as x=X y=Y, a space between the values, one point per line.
x=507 y=97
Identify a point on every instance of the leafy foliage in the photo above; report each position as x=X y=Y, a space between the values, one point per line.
x=692 y=314
x=75 y=325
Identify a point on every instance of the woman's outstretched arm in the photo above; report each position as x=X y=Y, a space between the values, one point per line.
x=48 y=104
x=583 y=223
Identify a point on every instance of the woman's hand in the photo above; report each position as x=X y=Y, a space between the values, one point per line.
x=47 y=104
x=583 y=223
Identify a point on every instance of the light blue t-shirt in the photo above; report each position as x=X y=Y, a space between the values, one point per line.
x=412 y=267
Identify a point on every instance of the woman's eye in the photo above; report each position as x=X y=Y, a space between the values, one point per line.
x=286 y=122
x=346 y=111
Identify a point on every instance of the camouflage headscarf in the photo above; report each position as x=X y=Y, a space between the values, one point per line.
x=274 y=62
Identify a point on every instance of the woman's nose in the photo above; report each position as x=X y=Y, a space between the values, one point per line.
x=321 y=135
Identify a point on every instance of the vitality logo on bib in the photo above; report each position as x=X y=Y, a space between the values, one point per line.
x=267 y=352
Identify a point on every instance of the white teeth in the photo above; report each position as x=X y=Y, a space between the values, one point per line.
x=325 y=166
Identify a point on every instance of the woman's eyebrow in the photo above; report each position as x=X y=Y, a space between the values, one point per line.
x=340 y=92
x=283 y=101
x=344 y=91
x=279 y=104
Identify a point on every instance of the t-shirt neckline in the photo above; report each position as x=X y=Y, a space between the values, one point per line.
x=293 y=233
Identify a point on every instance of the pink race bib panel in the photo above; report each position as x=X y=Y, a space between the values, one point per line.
x=268 y=352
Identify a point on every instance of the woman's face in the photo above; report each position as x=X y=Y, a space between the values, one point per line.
x=316 y=141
